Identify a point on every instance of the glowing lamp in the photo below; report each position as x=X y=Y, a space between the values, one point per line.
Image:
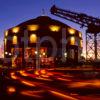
x=9 y=54
x=44 y=53
x=65 y=54
x=80 y=34
x=6 y=33
x=32 y=27
x=15 y=30
x=71 y=31
x=54 y=28
x=36 y=52
x=6 y=53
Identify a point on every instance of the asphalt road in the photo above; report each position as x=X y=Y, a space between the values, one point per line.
x=29 y=84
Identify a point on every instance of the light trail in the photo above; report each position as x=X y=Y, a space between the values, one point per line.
x=61 y=95
x=22 y=72
x=31 y=93
x=93 y=83
x=28 y=83
x=13 y=76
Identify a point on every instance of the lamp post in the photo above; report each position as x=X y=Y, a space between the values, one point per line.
x=37 y=55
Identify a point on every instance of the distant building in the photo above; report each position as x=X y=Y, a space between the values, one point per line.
x=20 y=42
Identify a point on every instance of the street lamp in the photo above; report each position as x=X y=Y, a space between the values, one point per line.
x=36 y=52
x=6 y=53
x=9 y=54
x=65 y=54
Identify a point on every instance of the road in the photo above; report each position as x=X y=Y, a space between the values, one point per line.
x=48 y=84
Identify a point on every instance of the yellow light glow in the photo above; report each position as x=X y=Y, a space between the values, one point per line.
x=15 y=30
x=54 y=28
x=6 y=53
x=6 y=33
x=44 y=53
x=80 y=34
x=32 y=27
x=71 y=31
x=81 y=43
x=72 y=40
x=33 y=38
x=14 y=40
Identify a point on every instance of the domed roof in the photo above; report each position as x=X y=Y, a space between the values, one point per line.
x=42 y=20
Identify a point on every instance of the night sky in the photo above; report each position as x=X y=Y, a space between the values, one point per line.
x=13 y=12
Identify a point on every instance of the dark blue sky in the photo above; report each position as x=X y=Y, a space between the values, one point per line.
x=13 y=12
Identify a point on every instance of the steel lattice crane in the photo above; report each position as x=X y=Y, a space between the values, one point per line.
x=92 y=33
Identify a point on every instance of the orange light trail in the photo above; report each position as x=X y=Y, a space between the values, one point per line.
x=13 y=76
x=28 y=83
x=63 y=95
x=23 y=73
x=93 y=83
x=30 y=93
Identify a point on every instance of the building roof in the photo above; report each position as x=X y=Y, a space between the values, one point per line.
x=42 y=20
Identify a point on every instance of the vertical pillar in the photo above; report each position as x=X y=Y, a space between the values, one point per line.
x=37 y=55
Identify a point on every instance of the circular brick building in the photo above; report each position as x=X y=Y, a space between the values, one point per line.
x=42 y=37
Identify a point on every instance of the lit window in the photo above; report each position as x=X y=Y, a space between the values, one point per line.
x=54 y=28
x=6 y=33
x=33 y=27
x=71 y=31
x=81 y=43
x=80 y=34
x=14 y=40
x=72 y=40
x=15 y=30
x=33 y=38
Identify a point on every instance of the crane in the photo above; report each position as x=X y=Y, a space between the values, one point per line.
x=92 y=32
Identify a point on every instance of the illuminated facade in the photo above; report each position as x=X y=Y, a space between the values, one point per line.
x=31 y=32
